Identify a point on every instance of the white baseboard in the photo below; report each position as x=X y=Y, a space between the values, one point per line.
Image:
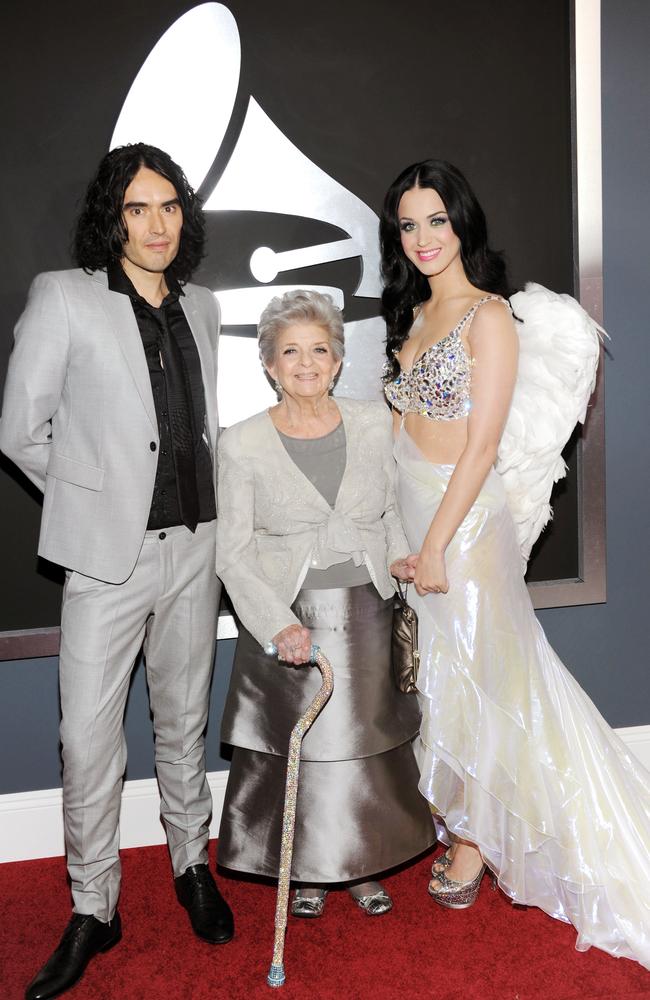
x=31 y=823
x=637 y=738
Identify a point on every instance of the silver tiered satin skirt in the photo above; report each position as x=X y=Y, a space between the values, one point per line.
x=514 y=755
x=359 y=811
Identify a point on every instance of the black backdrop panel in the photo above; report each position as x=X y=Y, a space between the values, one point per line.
x=362 y=89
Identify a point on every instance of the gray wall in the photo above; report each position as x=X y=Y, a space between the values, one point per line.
x=29 y=721
x=606 y=646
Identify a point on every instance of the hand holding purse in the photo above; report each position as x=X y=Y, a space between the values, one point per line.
x=405 y=654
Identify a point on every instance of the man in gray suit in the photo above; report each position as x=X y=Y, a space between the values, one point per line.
x=110 y=409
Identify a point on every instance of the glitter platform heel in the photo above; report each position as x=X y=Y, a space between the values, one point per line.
x=457 y=895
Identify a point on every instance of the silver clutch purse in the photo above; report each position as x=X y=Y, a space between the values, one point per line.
x=405 y=655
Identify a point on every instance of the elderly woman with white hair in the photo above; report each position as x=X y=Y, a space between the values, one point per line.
x=308 y=542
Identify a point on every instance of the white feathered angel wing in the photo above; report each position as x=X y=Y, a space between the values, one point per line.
x=559 y=348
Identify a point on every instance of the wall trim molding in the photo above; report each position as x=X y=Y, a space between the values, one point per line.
x=31 y=643
x=31 y=823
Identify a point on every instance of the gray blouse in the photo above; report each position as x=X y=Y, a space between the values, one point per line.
x=322 y=462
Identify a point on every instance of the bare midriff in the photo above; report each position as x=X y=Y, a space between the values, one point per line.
x=442 y=442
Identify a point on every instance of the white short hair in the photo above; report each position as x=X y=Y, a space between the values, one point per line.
x=299 y=306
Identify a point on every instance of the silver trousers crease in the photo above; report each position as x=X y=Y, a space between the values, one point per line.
x=169 y=603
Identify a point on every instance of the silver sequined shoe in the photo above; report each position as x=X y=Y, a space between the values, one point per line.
x=308 y=906
x=375 y=904
x=442 y=862
x=455 y=895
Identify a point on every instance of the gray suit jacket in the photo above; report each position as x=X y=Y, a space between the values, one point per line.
x=78 y=416
x=273 y=522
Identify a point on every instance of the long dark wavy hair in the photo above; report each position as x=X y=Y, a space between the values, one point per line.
x=101 y=232
x=404 y=286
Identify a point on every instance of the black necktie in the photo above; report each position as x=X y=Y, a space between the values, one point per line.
x=181 y=423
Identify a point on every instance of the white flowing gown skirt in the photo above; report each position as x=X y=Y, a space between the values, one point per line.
x=513 y=754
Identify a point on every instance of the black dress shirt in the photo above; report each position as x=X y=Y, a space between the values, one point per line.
x=165 y=508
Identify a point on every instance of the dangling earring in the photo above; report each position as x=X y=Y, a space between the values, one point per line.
x=278 y=389
x=330 y=386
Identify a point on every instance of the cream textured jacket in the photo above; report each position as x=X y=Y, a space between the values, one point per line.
x=273 y=523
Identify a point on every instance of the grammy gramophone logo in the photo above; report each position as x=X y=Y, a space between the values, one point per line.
x=193 y=72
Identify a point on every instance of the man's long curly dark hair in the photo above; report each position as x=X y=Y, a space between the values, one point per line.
x=404 y=286
x=101 y=232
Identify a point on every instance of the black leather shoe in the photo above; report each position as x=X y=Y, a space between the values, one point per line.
x=210 y=915
x=82 y=939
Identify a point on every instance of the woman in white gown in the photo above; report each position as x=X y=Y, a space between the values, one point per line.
x=523 y=774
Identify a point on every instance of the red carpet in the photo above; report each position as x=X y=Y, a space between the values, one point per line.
x=491 y=952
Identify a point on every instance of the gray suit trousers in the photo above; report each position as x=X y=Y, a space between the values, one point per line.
x=170 y=603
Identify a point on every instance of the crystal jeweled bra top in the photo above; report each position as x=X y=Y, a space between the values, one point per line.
x=438 y=383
